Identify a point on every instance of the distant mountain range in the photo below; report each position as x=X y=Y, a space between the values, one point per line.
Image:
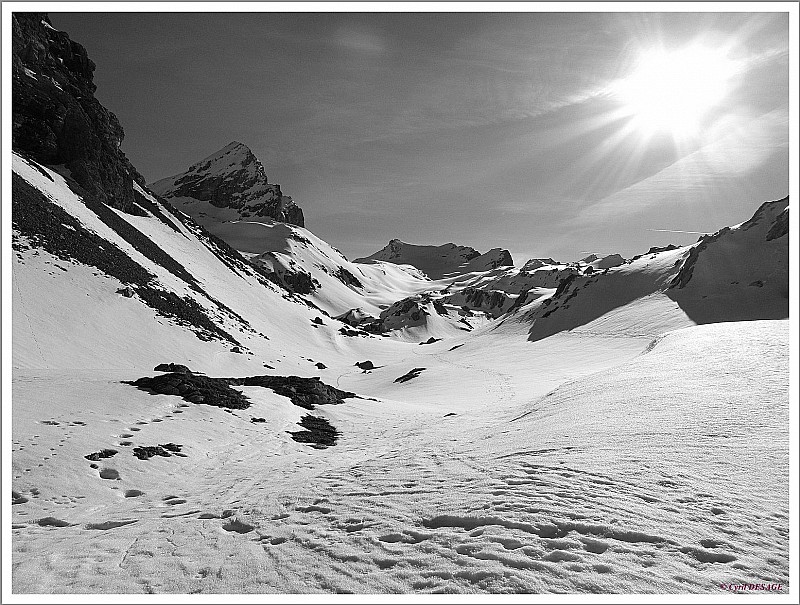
x=439 y=261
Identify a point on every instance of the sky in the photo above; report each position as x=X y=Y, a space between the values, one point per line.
x=548 y=134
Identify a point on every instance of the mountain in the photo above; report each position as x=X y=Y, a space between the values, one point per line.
x=739 y=273
x=440 y=261
x=228 y=185
x=311 y=267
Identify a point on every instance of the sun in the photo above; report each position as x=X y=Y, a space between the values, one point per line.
x=673 y=91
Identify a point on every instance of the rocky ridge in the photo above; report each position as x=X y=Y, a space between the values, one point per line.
x=234 y=178
x=56 y=119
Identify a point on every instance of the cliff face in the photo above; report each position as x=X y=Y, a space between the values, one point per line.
x=55 y=118
x=231 y=178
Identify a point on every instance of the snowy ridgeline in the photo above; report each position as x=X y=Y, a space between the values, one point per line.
x=561 y=430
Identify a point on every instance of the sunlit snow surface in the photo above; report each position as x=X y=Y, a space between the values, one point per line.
x=666 y=474
x=636 y=452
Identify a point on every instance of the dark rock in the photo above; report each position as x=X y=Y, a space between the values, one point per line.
x=304 y=392
x=214 y=391
x=127 y=292
x=563 y=286
x=320 y=365
x=148 y=451
x=348 y=332
x=318 y=321
x=319 y=432
x=172 y=367
x=347 y=278
x=430 y=341
x=94 y=457
x=365 y=365
x=256 y=420
x=409 y=375
x=296 y=282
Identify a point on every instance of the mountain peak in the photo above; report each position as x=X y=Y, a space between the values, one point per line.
x=232 y=157
x=232 y=178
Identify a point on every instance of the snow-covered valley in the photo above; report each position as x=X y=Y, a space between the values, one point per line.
x=633 y=451
x=429 y=420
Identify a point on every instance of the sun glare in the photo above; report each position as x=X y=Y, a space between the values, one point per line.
x=672 y=91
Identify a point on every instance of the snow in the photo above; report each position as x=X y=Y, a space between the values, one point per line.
x=626 y=443
x=605 y=484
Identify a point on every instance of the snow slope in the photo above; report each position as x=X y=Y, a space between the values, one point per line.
x=737 y=274
x=51 y=331
x=340 y=285
x=601 y=485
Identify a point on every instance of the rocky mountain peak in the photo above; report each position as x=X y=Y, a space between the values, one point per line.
x=234 y=178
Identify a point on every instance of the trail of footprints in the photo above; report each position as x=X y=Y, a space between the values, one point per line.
x=105 y=472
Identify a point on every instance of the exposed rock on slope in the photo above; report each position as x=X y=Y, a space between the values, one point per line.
x=57 y=121
x=231 y=178
x=438 y=261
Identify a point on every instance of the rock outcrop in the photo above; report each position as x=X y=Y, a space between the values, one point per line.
x=56 y=119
